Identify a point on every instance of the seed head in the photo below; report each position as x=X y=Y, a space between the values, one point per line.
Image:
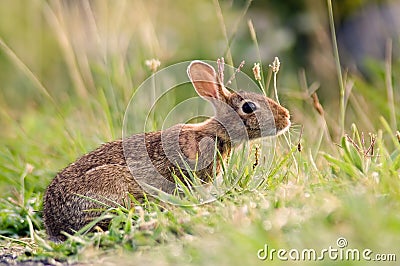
x=275 y=65
x=256 y=71
x=153 y=64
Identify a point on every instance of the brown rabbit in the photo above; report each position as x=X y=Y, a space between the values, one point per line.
x=110 y=172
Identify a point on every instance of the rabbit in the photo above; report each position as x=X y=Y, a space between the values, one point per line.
x=110 y=173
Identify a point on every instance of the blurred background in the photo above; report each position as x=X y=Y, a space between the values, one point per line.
x=68 y=68
x=67 y=44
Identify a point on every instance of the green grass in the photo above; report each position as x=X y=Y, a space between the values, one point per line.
x=72 y=98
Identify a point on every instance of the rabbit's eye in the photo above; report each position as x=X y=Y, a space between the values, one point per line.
x=249 y=107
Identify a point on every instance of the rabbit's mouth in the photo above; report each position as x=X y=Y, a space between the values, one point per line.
x=282 y=120
x=280 y=131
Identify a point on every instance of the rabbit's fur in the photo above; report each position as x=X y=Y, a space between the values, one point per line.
x=104 y=175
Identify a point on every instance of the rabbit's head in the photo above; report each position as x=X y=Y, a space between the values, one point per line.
x=242 y=115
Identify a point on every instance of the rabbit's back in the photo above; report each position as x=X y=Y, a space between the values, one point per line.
x=70 y=199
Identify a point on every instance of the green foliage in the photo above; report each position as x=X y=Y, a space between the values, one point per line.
x=67 y=93
x=17 y=216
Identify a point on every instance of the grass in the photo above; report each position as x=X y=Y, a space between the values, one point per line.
x=309 y=193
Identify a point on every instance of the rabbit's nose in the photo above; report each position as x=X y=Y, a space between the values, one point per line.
x=282 y=120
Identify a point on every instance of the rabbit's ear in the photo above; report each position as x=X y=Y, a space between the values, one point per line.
x=206 y=82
